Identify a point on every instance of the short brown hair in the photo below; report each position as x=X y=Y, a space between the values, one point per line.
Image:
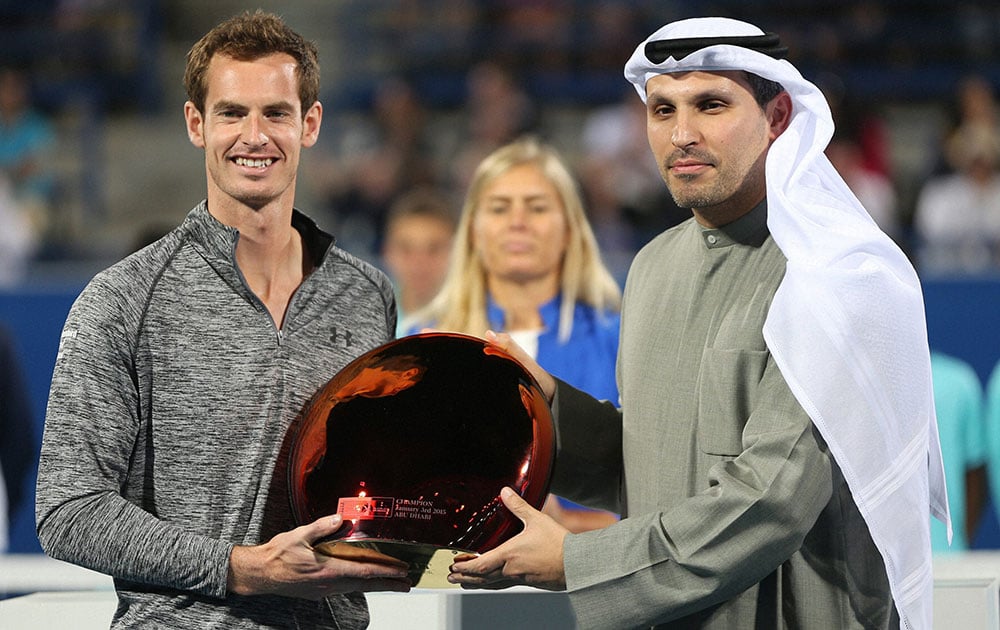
x=250 y=36
x=422 y=202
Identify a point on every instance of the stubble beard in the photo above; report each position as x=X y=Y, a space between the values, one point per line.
x=729 y=185
x=687 y=194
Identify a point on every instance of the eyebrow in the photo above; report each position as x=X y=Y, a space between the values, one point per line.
x=713 y=93
x=529 y=197
x=279 y=105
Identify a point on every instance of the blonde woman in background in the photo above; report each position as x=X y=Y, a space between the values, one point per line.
x=525 y=261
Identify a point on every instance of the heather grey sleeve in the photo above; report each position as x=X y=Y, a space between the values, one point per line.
x=91 y=426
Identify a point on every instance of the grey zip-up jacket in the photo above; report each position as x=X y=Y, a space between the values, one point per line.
x=167 y=429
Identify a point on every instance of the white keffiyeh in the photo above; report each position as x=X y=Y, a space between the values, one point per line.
x=846 y=326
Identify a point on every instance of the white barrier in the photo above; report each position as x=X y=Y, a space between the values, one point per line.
x=966 y=595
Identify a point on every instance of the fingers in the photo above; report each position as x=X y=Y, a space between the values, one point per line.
x=507 y=343
x=321 y=528
x=504 y=342
x=481 y=571
x=518 y=506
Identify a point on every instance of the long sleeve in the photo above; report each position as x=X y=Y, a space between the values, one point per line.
x=754 y=514
x=171 y=415
x=90 y=443
x=734 y=512
x=589 y=449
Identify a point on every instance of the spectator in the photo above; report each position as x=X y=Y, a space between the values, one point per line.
x=958 y=401
x=977 y=113
x=992 y=429
x=18 y=237
x=27 y=148
x=418 y=237
x=377 y=163
x=525 y=261
x=957 y=216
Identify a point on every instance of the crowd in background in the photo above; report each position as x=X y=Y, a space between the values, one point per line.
x=419 y=92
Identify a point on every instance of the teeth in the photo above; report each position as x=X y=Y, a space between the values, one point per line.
x=254 y=163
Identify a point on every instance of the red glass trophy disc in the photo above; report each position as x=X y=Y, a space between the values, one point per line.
x=411 y=443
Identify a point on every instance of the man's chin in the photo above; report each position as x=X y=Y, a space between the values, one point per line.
x=255 y=202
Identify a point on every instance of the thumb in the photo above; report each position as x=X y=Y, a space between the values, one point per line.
x=518 y=506
x=322 y=527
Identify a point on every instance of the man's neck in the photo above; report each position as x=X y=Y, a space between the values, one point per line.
x=270 y=253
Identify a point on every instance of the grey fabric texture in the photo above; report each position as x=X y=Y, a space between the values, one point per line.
x=167 y=429
x=735 y=514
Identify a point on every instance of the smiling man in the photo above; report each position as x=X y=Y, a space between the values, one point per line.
x=775 y=453
x=182 y=367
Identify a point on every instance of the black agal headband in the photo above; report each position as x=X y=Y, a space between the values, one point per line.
x=658 y=51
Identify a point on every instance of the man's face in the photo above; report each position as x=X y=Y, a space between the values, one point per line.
x=710 y=137
x=416 y=252
x=252 y=130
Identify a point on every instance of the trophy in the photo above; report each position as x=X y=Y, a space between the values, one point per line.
x=412 y=442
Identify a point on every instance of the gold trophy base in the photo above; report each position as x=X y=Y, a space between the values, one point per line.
x=429 y=564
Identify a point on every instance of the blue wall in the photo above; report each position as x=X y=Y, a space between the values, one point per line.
x=35 y=320
x=963 y=319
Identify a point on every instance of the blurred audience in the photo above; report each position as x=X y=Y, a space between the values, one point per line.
x=957 y=215
x=27 y=149
x=374 y=164
x=860 y=151
x=535 y=35
x=530 y=54
x=976 y=113
x=19 y=236
x=416 y=248
x=609 y=29
x=627 y=201
x=958 y=401
x=873 y=188
x=525 y=262
x=497 y=110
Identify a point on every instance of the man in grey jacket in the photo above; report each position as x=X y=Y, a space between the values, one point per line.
x=182 y=367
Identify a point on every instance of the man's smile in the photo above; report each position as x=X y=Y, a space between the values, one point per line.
x=254 y=162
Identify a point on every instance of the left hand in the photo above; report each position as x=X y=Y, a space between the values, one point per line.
x=533 y=558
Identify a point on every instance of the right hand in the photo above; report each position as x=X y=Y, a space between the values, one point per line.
x=289 y=565
x=508 y=345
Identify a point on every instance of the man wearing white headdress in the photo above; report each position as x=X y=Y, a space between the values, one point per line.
x=775 y=455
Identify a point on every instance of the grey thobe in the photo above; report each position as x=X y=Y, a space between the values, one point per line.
x=737 y=516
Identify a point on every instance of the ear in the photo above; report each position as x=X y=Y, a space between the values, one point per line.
x=779 y=114
x=311 y=123
x=195 y=123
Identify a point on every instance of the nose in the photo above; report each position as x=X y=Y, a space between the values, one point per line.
x=518 y=215
x=253 y=131
x=685 y=132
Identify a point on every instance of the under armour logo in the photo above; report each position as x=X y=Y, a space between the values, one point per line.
x=347 y=337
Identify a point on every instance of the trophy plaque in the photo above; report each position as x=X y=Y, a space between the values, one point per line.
x=412 y=442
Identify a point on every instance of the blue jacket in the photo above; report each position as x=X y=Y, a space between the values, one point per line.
x=587 y=359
